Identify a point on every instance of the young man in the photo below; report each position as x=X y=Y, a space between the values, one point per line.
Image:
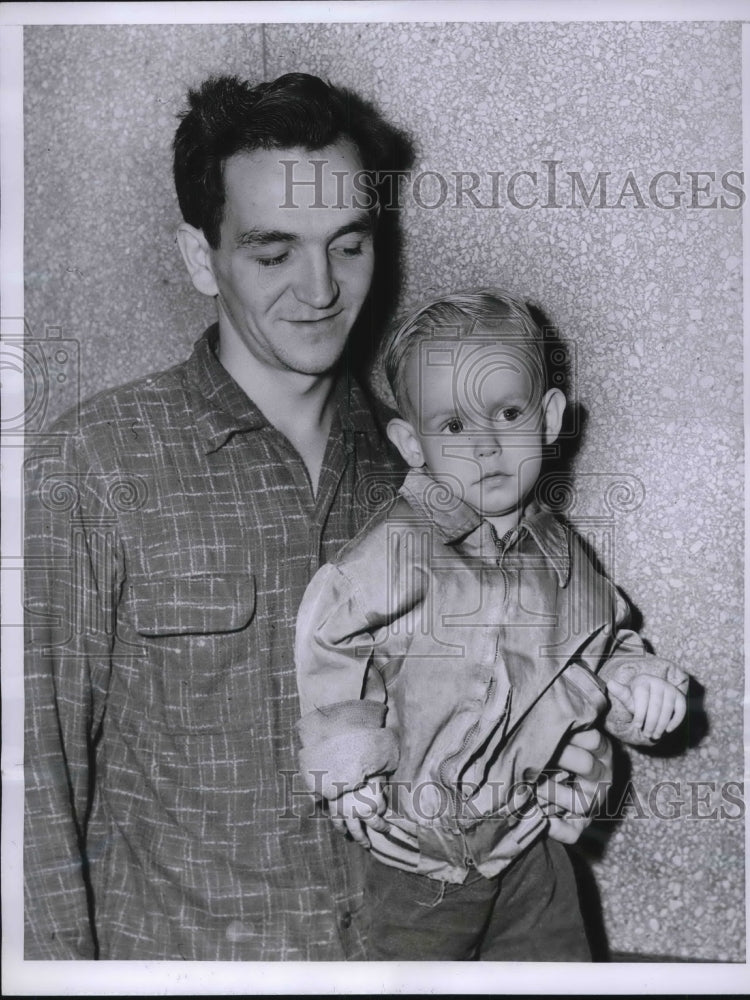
x=170 y=540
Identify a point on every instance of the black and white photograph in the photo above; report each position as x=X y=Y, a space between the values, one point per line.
x=373 y=488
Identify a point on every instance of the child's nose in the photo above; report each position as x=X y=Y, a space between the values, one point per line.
x=487 y=446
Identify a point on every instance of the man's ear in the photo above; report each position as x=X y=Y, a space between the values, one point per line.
x=197 y=256
x=553 y=408
x=402 y=434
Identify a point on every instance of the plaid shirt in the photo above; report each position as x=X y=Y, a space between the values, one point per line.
x=170 y=537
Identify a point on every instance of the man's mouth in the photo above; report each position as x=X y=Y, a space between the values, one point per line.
x=308 y=321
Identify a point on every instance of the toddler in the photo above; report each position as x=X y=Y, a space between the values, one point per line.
x=452 y=648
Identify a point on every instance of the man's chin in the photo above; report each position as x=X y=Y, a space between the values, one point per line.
x=322 y=360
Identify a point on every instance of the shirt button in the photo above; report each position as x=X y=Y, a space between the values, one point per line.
x=237 y=931
x=346 y=920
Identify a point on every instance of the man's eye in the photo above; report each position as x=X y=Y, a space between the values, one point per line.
x=454 y=426
x=272 y=261
x=348 y=250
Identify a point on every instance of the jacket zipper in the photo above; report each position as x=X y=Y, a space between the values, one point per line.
x=468 y=735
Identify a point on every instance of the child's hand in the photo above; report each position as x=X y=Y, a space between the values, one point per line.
x=353 y=811
x=657 y=706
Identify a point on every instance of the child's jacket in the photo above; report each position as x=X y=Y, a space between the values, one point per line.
x=457 y=664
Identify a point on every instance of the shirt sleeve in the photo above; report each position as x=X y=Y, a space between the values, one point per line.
x=70 y=556
x=343 y=702
x=621 y=655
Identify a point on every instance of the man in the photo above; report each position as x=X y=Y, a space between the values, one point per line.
x=170 y=539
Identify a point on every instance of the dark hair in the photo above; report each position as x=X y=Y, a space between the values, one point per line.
x=227 y=115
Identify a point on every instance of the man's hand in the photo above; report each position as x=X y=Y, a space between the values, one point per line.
x=656 y=705
x=579 y=787
x=352 y=812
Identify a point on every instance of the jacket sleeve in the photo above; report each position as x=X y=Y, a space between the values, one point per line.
x=620 y=654
x=343 y=702
x=69 y=610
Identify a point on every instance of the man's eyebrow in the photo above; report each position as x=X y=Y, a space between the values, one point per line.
x=362 y=225
x=266 y=237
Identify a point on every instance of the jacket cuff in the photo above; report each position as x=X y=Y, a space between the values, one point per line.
x=345 y=761
x=625 y=668
x=318 y=725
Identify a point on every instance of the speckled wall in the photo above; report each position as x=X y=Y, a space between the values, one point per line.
x=644 y=281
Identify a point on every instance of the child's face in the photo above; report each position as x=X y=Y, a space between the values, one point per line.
x=478 y=420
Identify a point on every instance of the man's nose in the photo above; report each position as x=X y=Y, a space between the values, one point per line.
x=316 y=285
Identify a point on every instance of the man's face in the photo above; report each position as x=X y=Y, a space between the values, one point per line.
x=480 y=418
x=292 y=280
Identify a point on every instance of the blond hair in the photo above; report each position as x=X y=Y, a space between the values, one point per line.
x=460 y=315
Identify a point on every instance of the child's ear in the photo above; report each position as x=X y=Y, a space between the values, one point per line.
x=197 y=256
x=402 y=434
x=553 y=408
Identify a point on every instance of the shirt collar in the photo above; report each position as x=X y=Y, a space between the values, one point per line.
x=455 y=520
x=222 y=409
x=551 y=536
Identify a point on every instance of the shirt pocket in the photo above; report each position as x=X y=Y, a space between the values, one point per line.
x=194 y=674
x=202 y=604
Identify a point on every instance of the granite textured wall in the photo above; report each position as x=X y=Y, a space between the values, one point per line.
x=642 y=279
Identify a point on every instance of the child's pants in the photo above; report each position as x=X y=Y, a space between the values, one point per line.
x=528 y=913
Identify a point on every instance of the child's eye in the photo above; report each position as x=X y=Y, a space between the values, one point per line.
x=454 y=426
x=509 y=414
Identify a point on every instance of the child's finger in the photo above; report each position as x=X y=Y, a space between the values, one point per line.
x=678 y=712
x=667 y=707
x=653 y=713
x=622 y=693
x=640 y=706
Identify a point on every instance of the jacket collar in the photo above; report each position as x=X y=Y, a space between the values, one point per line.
x=455 y=520
x=221 y=408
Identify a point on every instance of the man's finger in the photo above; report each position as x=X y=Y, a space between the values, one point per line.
x=576 y=798
x=567 y=829
x=582 y=764
x=588 y=739
x=378 y=823
x=588 y=757
x=338 y=824
x=357 y=831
